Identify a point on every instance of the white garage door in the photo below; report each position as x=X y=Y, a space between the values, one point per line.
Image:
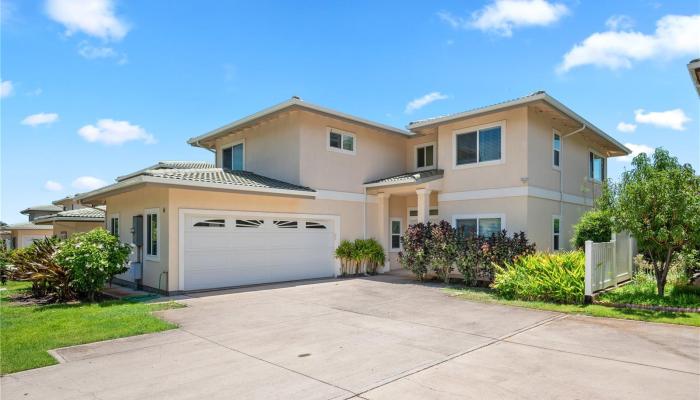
x=27 y=240
x=222 y=250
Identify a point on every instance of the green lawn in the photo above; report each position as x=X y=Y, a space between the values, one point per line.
x=28 y=331
x=488 y=296
x=645 y=293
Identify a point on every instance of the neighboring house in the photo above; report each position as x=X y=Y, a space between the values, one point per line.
x=694 y=70
x=41 y=211
x=66 y=223
x=24 y=234
x=291 y=181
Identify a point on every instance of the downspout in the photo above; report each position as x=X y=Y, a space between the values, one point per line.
x=364 y=215
x=561 y=171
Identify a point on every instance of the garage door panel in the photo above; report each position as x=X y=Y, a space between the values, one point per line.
x=235 y=256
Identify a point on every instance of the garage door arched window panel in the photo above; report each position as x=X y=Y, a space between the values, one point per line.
x=249 y=223
x=210 y=223
x=315 y=225
x=152 y=234
x=286 y=224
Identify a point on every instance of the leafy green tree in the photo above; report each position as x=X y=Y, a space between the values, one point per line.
x=595 y=225
x=658 y=202
x=93 y=258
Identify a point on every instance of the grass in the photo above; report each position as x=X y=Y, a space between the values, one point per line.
x=644 y=292
x=489 y=296
x=28 y=331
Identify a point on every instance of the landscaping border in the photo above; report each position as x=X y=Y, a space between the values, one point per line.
x=649 y=307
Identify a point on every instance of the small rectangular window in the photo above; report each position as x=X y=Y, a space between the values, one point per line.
x=596 y=167
x=233 y=157
x=425 y=156
x=248 y=223
x=556 y=149
x=314 y=225
x=482 y=145
x=211 y=223
x=395 y=234
x=286 y=224
x=152 y=234
x=343 y=142
x=114 y=226
x=556 y=221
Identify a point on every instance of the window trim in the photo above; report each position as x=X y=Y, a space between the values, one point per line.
x=409 y=217
x=343 y=133
x=477 y=128
x=561 y=146
x=112 y=217
x=230 y=145
x=415 y=156
x=146 y=213
x=455 y=217
x=551 y=228
x=391 y=235
x=604 y=167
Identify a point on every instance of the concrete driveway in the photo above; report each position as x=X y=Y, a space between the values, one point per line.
x=378 y=338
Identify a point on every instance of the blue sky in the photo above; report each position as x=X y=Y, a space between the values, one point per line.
x=96 y=90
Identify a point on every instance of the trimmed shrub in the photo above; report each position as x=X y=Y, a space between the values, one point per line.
x=595 y=225
x=93 y=258
x=415 y=255
x=443 y=249
x=551 y=277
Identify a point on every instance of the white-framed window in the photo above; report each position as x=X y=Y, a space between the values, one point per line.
x=395 y=234
x=556 y=232
x=596 y=166
x=233 y=156
x=152 y=234
x=556 y=149
x=412 y=215
x=114 y=225
x=425 y=156
x=480 y=145
x=341 y=141
x=479 y=224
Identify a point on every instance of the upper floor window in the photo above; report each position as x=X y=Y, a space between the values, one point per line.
x=425 y=156
x=234 y=157
x=479 y=145
x=341 y=141
x=556 y=149
x=596 y=167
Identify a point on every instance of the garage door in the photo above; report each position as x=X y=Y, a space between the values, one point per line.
x=222 y=250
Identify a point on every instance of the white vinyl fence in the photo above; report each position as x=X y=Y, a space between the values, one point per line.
x=609 y=263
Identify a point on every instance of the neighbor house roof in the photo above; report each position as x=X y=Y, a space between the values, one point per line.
x=293 y=103
x=87 y=214
x=539 y=96
x=47 y=207
x=209 y=178
x=694 y=70
x=170 y=165
x=408 y=178
x=28 y=226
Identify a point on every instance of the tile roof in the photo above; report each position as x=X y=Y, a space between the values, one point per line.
x=80 y=214
x=28 y=225
x=169 y=165
x=408 y=178
x=225 y=177
x=46 y=207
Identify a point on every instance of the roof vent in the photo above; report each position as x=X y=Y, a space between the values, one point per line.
x=537 y=92
x=296 y=98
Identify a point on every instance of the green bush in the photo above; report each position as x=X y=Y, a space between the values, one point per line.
x=344 y=253
x=551 y=277
x=93 y=258
x=595 y=225
x=443 y=246
x=372 y=255
x=478 y=254
x=362 y=255
x=415 y=255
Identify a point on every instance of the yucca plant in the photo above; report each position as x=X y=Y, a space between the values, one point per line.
x=344 y=253
x=553 y=277
x=374 y=255
x=360 y=255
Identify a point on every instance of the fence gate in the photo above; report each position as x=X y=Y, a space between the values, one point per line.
x=609 y=263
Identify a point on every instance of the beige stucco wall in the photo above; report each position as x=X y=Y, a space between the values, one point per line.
x=271 y=148
x=411 y=150
x=71 y=227
x=539 y=222
x=378 y=154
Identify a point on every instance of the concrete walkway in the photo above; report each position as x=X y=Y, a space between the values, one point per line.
x=375 y=338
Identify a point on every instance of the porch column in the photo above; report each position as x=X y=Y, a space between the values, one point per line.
x=383 y=228
x=423 y=204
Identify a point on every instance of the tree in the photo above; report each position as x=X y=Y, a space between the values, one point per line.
x=658 y=202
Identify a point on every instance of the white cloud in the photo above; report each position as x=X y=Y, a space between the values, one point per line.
x=617 y=22
x=675 y=36
x=636 y=149
x=111 y=132
x=40 y=118
x=502 y=16
x=35 y=92
x=423 y=101
x=88 y=183
x=92 y=17
x=53 y=186
x=6 y=88
x=674 y=119
x=86 y=50
x=626 y=128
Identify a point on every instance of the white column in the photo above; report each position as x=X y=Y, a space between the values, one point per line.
x=383 y=231
x=423 y=204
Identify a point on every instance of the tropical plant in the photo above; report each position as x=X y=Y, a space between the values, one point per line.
x=37 y=264
x=443 y=249
x=344 y=253
x=552 y=277
x=374 y=256
x=93 y=258
x=658 y=202
x=415 y=255
x=4 y=263
x=595 y=225
x=477 y=254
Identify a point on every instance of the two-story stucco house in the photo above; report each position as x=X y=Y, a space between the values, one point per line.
x=289 y=182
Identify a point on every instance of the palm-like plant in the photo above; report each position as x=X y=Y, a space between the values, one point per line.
x=37 y=265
